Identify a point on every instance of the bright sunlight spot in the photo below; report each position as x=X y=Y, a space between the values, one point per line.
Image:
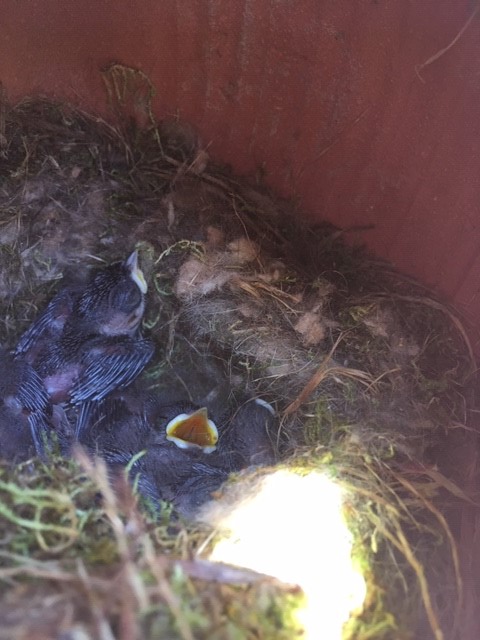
x=291 y=527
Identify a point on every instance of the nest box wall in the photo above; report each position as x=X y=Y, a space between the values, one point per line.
x=367 y=112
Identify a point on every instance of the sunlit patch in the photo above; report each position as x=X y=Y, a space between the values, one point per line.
x=193 y=430
x=291 y=526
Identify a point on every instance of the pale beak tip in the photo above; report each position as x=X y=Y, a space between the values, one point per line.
x=136 y=272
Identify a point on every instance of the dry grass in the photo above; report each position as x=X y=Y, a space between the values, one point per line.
x=372 y=374
x=117 y=572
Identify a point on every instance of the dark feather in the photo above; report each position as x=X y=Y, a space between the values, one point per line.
x=25 y=407
x=86 y=343
x=118 y=428
x=49 y=325
x=110 y=364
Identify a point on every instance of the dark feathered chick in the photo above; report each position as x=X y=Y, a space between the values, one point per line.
x=179 y=468
x=25 y=411
x=113 y=300
x=235 y=439
x=251 y=434
x=187 y=475
x=87 y=342
x=117 y=432
x=127 y=422
x=175 y=476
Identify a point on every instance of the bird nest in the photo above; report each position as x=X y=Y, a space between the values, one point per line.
x=370 y=373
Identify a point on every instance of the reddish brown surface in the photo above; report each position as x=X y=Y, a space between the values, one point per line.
x=322 y=94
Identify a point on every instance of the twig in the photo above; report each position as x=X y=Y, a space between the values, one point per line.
x=444 y=524
x=401 y=543
x=322 y=372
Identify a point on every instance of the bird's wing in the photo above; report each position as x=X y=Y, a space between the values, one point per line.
x=31 y=394
x=49 y=323
x=95 y=415
x=199 y=469
x=110 y=364
x=88 y=416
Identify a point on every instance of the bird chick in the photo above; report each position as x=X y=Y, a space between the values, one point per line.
x=25 y=411
x=117 y=430
x=188 y=474
x=128 y=422
x=179 y=464
x=87 y=342
x=251 y=434
x=113 y=301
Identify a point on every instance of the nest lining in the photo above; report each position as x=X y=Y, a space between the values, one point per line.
x=368 y=370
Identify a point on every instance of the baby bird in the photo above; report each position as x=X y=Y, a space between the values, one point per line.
x=87 y=342
x=187 y=456
x=128 y=422
x=252 y=431
x=25 y=411
x=187 y=475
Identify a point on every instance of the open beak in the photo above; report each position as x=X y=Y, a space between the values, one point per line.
x=193 y=431
x=136 y=272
